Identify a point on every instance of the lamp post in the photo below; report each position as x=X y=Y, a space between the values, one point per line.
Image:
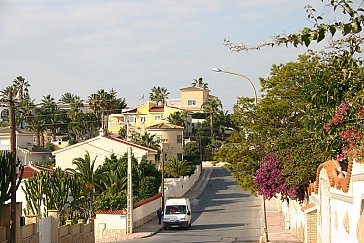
x=218 y=70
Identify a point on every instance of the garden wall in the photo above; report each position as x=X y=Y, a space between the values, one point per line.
x=111 y=225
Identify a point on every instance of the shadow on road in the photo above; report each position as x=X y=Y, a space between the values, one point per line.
x=211 y=196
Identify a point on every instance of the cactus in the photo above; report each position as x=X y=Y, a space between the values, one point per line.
x=33 y=191
x=6 y=165
x=50 y=190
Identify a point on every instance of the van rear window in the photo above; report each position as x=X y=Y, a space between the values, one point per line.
x=176 y=209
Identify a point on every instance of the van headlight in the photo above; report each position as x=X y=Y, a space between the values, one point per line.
x=182 y=219
x=166 y=219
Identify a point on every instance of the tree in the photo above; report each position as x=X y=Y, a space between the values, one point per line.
x=75 y=103
x=159 y=95
x=275 y=125
x=178 y=118
x=26 y=108
x=105 y=103
x=212 y=107
x=85 y=170
x=199 y=83
x=23 y=88
x=83 y=126
x=191 y=152
x=176 y=169
x=146 y=140
x=55 y=119
x=349 y=29
x=6 y=166
x=113 y=179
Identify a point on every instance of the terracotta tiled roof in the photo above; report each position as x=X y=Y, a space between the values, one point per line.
x=133 y=144
x=164 y=126
x=177 y=108
x=337 y=178
x=157 y=109
x=30 y=169
x=145 y=201
x=122 y=211
x=308 y=207
x=132 y=111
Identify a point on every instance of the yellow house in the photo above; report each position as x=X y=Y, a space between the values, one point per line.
x=115 y=123
x=141 y=117
x=192 y=99
x=170 y=137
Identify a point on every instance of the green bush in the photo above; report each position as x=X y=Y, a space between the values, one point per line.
x=107 y=201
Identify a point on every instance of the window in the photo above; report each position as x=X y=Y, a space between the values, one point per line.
x=158 y=139
x=191 y=102
x=131 y=119
x=158 y=118
x=143 y=119
x=179 y=138
x=4 y=114
x=179 y=156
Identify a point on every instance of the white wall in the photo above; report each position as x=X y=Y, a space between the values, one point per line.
x=109 y=222
x=98 y=148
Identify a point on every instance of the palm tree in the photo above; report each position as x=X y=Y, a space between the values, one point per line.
x=145 y=140
x=55 y=119
x=85 y=170
x=74 y=101
x=48 y=103
x=178 y=118
x=22 y=85
x=26 y=108
x=223 y=121
x=37 y=124
x=67 y=98
x=212 y=107
x=159 y=95
x=113 y=182
x=199 y=83
x=103 y=104
x=176 y=168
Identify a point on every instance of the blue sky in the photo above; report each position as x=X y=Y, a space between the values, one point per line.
x=132 y=45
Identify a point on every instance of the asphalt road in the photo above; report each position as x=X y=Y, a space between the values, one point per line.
x=222 y=213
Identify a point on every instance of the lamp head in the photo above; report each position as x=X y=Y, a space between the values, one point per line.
x=218 y=70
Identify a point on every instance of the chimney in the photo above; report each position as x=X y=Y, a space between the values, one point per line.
x=101 y=132
x=30 y=146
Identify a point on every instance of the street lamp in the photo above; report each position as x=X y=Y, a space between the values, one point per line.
x=218 y=70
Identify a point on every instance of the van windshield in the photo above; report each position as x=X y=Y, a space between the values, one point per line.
x=176 y=209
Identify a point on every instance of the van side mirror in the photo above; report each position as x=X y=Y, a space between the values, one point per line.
x=188 y=213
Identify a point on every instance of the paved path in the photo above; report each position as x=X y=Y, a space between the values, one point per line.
x=275 y=220
x=276 y=231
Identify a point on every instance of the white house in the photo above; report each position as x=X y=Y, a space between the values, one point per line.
x=26 y=151
x=101 y=147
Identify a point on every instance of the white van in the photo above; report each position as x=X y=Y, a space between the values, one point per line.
x=177 y=213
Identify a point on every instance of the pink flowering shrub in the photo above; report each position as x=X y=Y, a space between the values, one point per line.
x=346 y=129
x=269 y=179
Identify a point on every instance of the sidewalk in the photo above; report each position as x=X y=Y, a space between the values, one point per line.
x=275 y=221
